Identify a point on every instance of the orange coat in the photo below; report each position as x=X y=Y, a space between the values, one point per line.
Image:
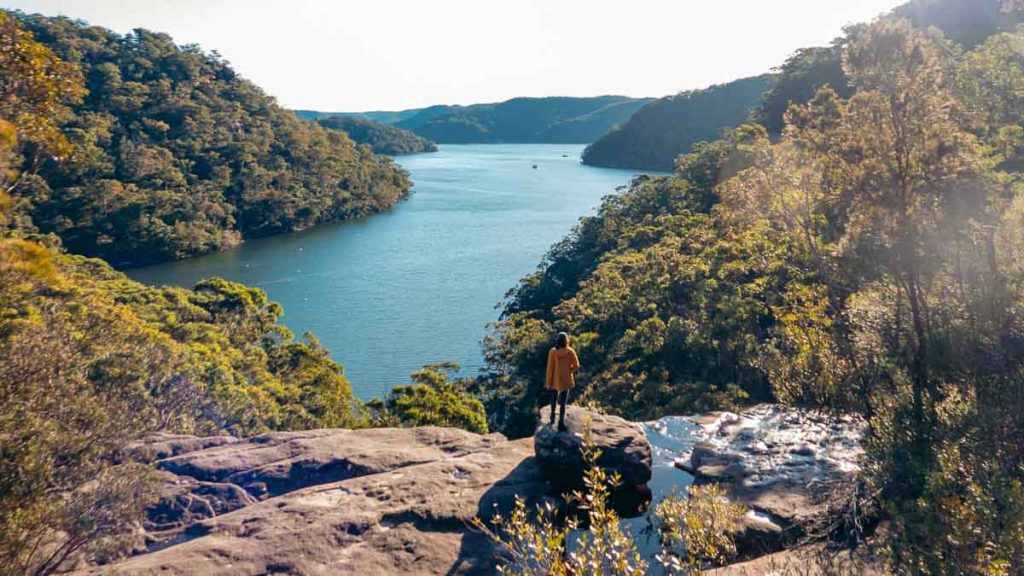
x=562 y=363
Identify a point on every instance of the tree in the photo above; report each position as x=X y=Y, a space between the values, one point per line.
x=914 y=165
x=36 y=88
x=382 y=138
x=433 y=398
x=174 y=154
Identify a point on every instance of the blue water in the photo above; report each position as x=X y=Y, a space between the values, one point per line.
x=671 y=437
x=420 y=283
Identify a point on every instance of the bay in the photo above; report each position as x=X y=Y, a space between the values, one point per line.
x=419 y=283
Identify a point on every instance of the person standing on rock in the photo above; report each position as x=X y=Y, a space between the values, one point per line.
x=562 y=364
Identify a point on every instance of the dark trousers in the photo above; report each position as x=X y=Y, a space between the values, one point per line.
x=559 y=398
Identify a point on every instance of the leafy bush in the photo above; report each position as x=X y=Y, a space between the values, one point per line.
x=433 y=399
x=698 y=529
x=542 y=547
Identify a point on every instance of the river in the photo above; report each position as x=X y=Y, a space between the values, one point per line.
x=419 y=283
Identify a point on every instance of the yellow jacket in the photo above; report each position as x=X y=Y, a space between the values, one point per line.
x=562 y=363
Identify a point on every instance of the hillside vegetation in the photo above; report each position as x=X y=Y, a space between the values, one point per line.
x=667 y=127
x=381 y=138
x=527 y=120
x=520 y=120
x=377 y=116
x=175 y=155
x=964 y=22
x=869 y=260
x=90 y=361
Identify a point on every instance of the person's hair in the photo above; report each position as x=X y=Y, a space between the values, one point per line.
x=562 y=340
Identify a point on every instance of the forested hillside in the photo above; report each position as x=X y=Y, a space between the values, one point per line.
x=520 y=120
x=869 y=260
x=536 y=120
x=383 y=139
x=965 y=22
x=90 y=361
x=667 y=127
x=377 y=116
x=175 y=155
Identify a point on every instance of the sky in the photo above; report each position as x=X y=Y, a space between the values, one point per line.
x=342 y=55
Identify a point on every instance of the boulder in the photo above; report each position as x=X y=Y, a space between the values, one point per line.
x=379 y=501
x=624 y=451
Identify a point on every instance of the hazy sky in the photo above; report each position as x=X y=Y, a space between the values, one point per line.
x=389 y=54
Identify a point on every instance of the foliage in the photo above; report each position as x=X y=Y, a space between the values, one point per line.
x=543 y=547
x=35 y=88
x=659 y=132
x=868 y=258
x=900 y=194
x=175 y=155
x=382 y=117
x=970 y=516
x=989 y=82
x=433 y=399
x=698 y=529
x=966 y=22
x=383 y=139
x=90 y=361
x=666 y=305
x=799 y=77
x=122 y=360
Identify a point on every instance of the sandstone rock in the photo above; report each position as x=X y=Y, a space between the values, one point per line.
x=392 y=501
x=160 y=446
x=272 y=464
x=400 y=502
x=184 y=501
x=813 y=560
x=624 y=449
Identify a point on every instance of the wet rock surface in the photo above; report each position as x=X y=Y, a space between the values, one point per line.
x=791 y=467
